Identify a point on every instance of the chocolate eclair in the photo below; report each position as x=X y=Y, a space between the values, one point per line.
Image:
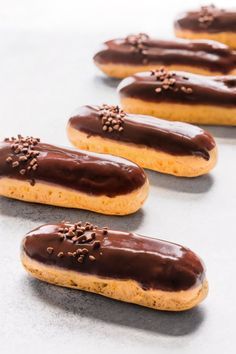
x=37 y=172
x=181 y=96
x=175 y=148
x=120 y=265
x=126 y=56
x=208 y=22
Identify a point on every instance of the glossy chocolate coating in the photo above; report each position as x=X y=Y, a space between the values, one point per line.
x=91 y=173
x=217 y=91
x=223 y=21
x=172 y=137
x=211 y=55
x=153 y=263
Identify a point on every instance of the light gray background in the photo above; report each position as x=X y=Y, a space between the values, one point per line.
x=46 y=71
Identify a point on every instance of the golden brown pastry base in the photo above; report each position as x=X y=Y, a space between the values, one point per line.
x=197 y=113
x=46 y=193
x=228 y=38
x=121 y=71
x=184 y=166
x=123 y=290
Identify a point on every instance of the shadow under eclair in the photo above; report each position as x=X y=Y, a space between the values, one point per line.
x=44 y=214
x=118 y=313
x=108 y=81
x=195 y=185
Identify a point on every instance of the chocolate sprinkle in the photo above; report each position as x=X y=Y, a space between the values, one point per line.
x=92 y=258
x=87 y=232
x=207 y=15
x=168 y=81
x=50 y=250
x=81 y=259
x=96 y=245
x=112 y=118
x=23 y=154
x=138 y=45
x=137 y=41
x=60 y=254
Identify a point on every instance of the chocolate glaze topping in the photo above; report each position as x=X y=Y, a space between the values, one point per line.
x=86 y=172
x=185 y=88
x=143 y=50
x=207 y=19
x=153 y=263
x=172 y=137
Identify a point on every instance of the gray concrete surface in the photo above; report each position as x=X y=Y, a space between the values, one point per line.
x=46 y=72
